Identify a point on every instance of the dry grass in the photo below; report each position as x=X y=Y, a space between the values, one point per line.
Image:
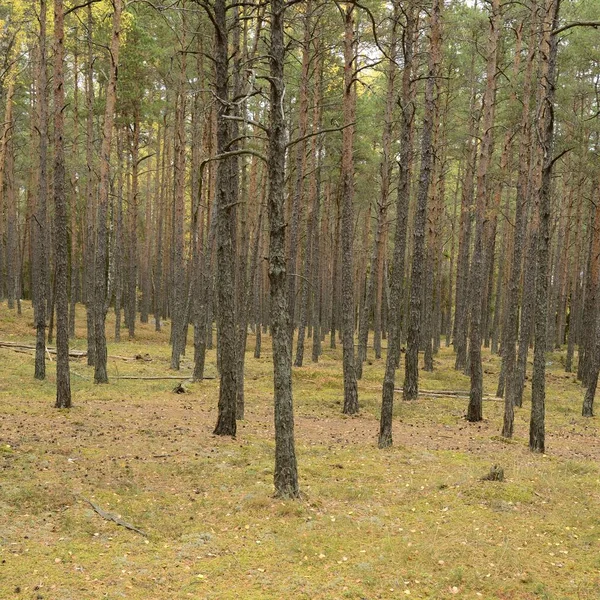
x=415 y=521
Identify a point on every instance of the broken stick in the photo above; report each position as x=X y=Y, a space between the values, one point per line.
x=114 y=518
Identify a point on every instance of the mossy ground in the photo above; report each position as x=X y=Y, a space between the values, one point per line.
x=414 y=521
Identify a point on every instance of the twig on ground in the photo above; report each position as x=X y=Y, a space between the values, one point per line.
x=114 y=518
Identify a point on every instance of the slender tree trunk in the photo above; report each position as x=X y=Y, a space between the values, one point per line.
x=298 y=194
x=160 y=212
x=39 y=227
x=226 y=421
x=411 y=374
x=286 y=470
x=100 y=286
x=63 y=379
x=477 y=281
x=347 y=177
x=7 y=189
x=461 y=312
x=317 y=151
x=178 y=321
x=407 y=109
x=90 y=204
x=118 y=235
x=74 y=195
x=130 y=282
x=546 y=140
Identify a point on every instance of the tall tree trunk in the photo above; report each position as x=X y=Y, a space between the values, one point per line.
x=411 y=375
x=347 y=177
x=178 y=321
x=461 y=311
x=100 y=284
x=7 y=191
x=286 y=470
x=118 y=237
x=407 y=109
x=510 y=326
x=317 y=152
x=160 y=212
x=63 y=378
x=226 y=421
x=40 y=264
x=298 y=195
x=546 y=140
x=130 y=282
x=477 y=281
x=90 y=204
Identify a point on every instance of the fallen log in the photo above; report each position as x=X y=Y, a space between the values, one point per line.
x=157 y=377
x=18 y=346
x=449 y=394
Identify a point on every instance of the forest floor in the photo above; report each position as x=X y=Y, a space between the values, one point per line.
x=415 y=521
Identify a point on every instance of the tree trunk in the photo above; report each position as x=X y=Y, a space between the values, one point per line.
x=411 y=375
x=407 y=109
x=100 y=286
x=461 y=313
x=347 y=177
x=90 y=195
x=317 y=151
x=546 y=140
x=286 y=470
x=178 y=320
x=226 y=421
x=63 y=379
x=477 y=281
x=39 y=227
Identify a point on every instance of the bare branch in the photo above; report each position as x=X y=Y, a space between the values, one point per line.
x=319 y=132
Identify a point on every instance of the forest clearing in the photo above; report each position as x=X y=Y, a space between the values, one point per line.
x=415 y=520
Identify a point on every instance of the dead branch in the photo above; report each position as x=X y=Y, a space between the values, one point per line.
x=115 y=519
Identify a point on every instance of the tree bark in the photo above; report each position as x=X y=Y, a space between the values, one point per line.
x=511 y=322
x=286 y=470
x=179 y=321
x=100 y=284
x=90 y=195
x=39 y=227
x=477 y=281
x=407 y=109
x=411 y=375
x=63 y=380
x=226 y=421
x=347 y=177
x=546 y=140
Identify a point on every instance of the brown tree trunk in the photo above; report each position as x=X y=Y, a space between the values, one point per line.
x=90 y=195
x=7 y=191
x=347 y=177
x=317 y=152
x=477 y=281
x=300 y=149
x=461 y=311
x=178 y=320
x=118 y=237
x=411 y=375
x=407 y=109
x=63 y=378
x=39 y=227
x=226 y=421
x=100 y=284
x=546 y=141
x=286 y=470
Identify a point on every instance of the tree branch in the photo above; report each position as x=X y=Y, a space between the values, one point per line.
x=319 y=132
x=595 y=24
